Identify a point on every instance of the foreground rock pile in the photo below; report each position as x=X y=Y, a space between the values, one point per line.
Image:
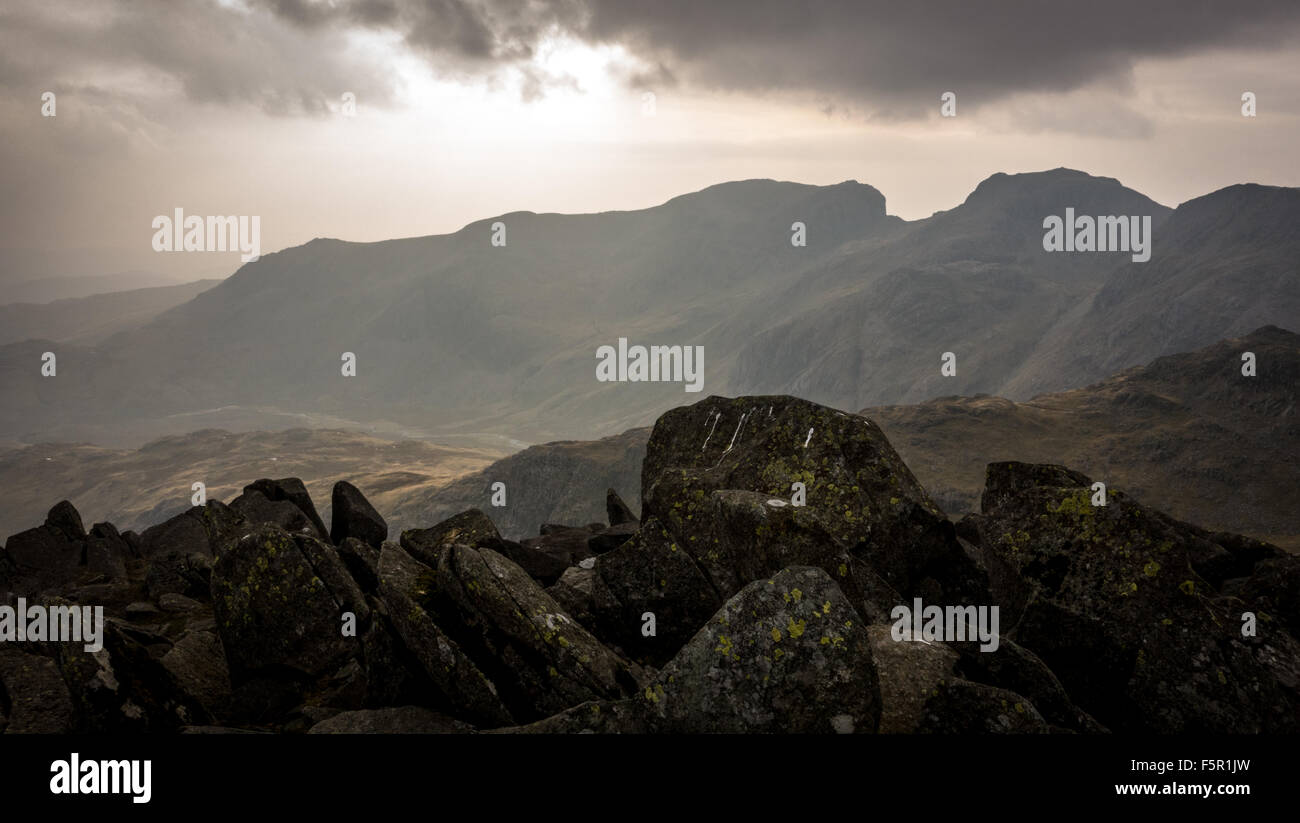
x=726 y=608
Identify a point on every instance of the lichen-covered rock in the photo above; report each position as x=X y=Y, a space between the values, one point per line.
x=786 y=654
x=541 y=660
x=38 y=699
x=740 y=536
x=458 y=684
x=352 y=515
x=1109 y=599
x=468 y=527
x=868 y=498
x=275 y=611
x=650 y=574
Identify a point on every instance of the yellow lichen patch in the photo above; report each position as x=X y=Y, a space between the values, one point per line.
x=1151 y=569
x=795 y=629
x=798 y=595
x=778 y=654
x=843 y=570
x=776 y=635
x=826 y=607
x=724 y=645
x=1187 y=587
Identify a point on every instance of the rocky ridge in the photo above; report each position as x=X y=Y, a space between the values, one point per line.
x=755 y=593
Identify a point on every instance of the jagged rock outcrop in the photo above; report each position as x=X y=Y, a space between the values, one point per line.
x=719 y=509
x=735 y=604
x=1115 y=600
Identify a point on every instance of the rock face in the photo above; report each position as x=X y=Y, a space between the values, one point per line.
x=1118 y=601
x=757 y=593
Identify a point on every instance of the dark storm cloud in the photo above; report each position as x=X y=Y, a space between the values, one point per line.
x=897 y=56
x=889 y=59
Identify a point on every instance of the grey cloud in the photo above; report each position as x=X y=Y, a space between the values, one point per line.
x=881 y=59
x=895 y=57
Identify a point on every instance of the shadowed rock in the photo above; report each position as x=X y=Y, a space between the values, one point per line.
x=541 y=660
x=292 y=490
x=353 y=516
x=788 y=654
x=1110 y=599
x=404 y=583
x=616 y=510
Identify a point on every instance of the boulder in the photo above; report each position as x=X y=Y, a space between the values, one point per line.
x=459 y=686
x=468 y=527
x=1109 y=599
x=278 y=606
x=353 y=516
x=869 y=501
x=65 y=518
x=541 y=660
x=197 y=662
x=786 y=654
x=291 y=489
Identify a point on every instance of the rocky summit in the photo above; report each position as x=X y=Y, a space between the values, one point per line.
x=758 y=590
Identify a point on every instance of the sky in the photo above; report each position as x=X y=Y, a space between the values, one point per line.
x=465 y=109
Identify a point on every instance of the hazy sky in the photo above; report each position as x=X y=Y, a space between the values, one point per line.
x=468 y=109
